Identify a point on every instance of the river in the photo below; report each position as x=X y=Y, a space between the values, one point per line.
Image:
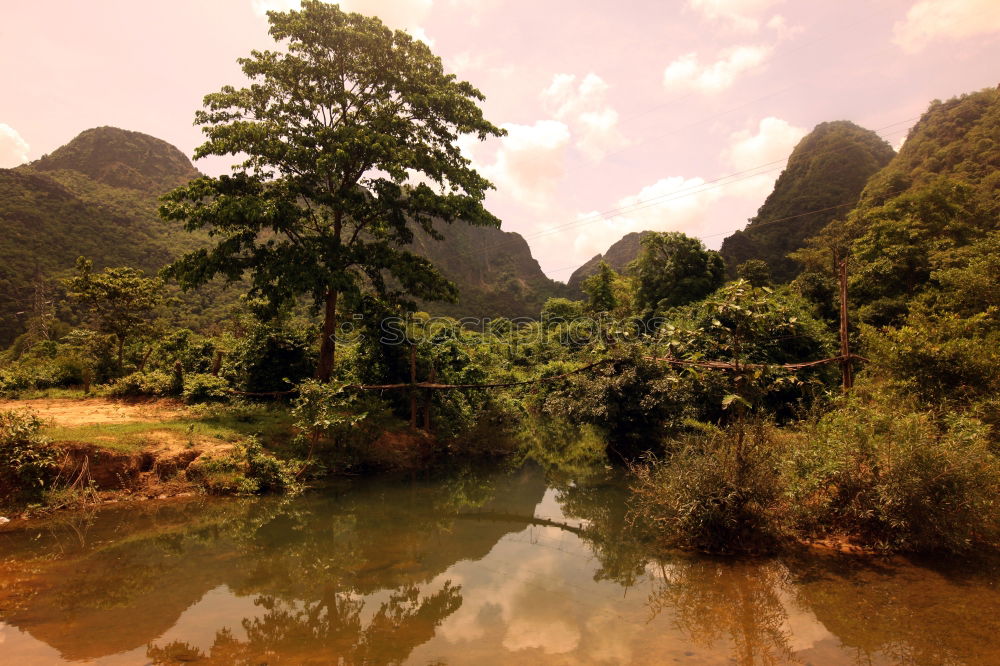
x=506 y=566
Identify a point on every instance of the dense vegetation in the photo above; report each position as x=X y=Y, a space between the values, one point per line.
x=664 y=365
x=822 y=181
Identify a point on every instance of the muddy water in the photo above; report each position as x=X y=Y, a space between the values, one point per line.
x=485 y=568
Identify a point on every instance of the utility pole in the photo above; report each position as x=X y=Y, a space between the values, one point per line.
x=413 y=389
x=845 y=349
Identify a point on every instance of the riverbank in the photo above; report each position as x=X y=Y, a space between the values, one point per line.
x=488 y=566
x=100 y=450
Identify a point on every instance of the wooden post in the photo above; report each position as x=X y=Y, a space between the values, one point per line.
x=217 y=363
x=427 y=401
x=845 y=349
x=413 y=390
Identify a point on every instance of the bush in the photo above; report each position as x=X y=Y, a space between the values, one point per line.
x=248 y=470
x=719 y=492
x=205 y=388
x=13 y=381
x=896 y=477
x=271 y=357
x=27 y=460
x=153 y=384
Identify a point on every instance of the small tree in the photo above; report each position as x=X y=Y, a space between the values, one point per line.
x=600 y=287
x=755 y=271
x=332 y=129
x=674 y=269
x=119 y=301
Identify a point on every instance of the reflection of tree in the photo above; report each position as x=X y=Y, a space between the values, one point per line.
x=910 y=614
x=736 y=601
x=328 y=630
x=313 y=554
x=615 y=542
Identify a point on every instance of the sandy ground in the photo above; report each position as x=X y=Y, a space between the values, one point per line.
x=67 y=413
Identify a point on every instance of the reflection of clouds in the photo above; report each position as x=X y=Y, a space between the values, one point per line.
x=803 y=628
x=535 y=591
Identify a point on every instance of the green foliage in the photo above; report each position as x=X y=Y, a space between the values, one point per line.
x=897 y=477
x=619 y=256
x=28 y=463
x=118 y=302
x=249 y=470
x=205 y=388
x=718 y=492
x=600 y=289
x=155 y=384
x=321 y=206
x=823 y=179
x=916 y=216
x=635 y=401
x=942 y=359
x=323 y=411
x=750 y=326
x=271 y=357
x=674 y=269
x=755 y=271
x=903 y=241
x=560 y=311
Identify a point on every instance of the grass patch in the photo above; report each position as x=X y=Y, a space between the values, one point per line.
x=225 y=424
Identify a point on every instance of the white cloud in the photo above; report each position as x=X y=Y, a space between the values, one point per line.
x=584 y=107
x=529 y=162
x=741 y=14
x=399 y=14
x=675 y=203
x=264 y=6
x=695 y=205
x=688 y=72
x=773 y=141
x=767 y=148
x=934 y=20
x=13 y=148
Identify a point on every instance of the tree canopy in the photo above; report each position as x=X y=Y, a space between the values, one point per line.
x=674 y=269
x=348 y=140
x=119 y=301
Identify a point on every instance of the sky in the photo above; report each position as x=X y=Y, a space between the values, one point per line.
x=620 y=116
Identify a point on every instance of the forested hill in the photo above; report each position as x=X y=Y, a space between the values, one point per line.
x=618 y=256
x=927 y=227
x=97 y=196
x=123 y=159
x=494 y=270
x=958 y=139
x=825 y=173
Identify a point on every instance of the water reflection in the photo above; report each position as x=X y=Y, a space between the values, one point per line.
x=499 y=567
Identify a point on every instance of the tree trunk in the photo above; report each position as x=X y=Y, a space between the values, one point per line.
x=121 y=354
x=328 y=345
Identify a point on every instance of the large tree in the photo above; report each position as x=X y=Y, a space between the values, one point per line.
x=348 y=141
x=674 y=269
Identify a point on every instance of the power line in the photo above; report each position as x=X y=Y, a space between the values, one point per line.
x=700 y=188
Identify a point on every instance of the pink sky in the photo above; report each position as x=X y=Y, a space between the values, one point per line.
x=622 y=116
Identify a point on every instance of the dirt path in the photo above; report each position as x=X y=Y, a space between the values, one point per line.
x=87 y=411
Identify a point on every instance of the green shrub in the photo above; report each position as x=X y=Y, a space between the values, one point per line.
x=249 y=470
x=271 y=357
x=896 y=477
x=13 y=381
x=28 y=462
x=205 y=388
x=719 y=492
x=153 y=384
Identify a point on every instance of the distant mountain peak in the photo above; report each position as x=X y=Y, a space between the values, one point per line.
x=823 y=179
x=618 y=256
x=122 y=158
